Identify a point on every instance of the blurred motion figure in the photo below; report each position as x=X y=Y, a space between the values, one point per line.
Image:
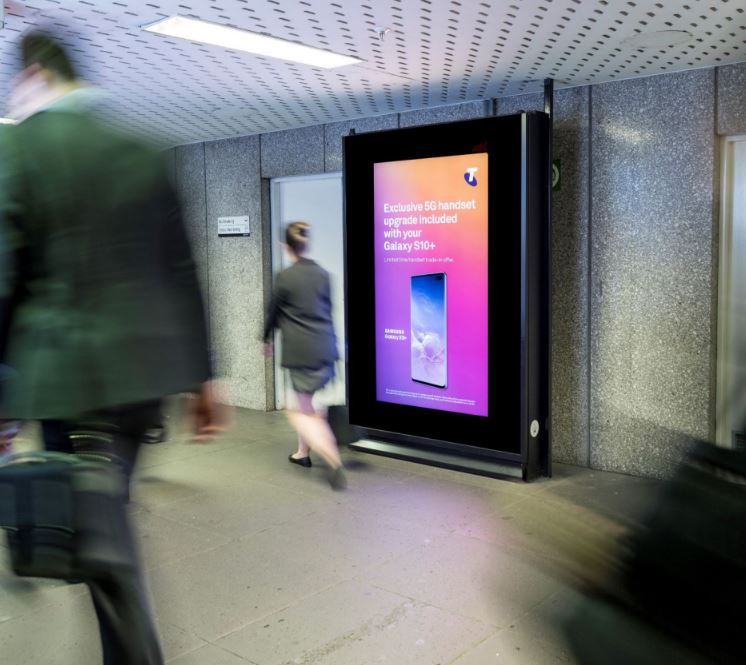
x=101 y=315
x=673 y=588
x=301 y=308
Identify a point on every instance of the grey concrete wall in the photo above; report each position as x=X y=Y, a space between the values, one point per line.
x=451 y=113
x=335 y=132
x=731 y=98
x=633 y=253
x=235 y=264
x=653 y=157
x=570 y=274
x=293 y=152
x=222 y=179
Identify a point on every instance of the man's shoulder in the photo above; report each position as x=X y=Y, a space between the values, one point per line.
x=47 y=120
x=85 y=136
x=80 y=127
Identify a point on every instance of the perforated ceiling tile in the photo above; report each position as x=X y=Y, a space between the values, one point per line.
x=435 y=52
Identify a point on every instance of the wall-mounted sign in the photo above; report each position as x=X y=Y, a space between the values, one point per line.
x=233 y=226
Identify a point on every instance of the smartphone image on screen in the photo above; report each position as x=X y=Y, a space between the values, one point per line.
x=429 y=334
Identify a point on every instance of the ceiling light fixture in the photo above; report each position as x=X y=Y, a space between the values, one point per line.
x=242 y=40
x=8 y=121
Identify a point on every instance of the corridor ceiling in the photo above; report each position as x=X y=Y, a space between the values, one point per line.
x=436 y=52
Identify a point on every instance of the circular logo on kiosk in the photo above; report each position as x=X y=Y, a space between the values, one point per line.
x=470 y=177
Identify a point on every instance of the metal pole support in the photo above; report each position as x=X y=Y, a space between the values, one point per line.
x=549 y=110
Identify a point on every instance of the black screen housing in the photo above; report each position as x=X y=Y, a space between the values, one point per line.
x=518 y=238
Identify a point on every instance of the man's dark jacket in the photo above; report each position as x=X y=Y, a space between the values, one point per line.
x=101 y=304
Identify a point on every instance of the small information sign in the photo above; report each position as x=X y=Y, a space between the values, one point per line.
x=233 y=226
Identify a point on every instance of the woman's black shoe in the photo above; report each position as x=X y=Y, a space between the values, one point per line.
x=300 y=461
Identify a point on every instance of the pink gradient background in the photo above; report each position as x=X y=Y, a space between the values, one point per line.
x=440 y=179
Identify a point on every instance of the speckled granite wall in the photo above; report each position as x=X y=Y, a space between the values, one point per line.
x=570 y=275
x=293 y=152
x=651 y=265
x=732 y=99
x=236 y=269
x=521 y=103
x=334 y=132
x=445 y=114
x=570 y=416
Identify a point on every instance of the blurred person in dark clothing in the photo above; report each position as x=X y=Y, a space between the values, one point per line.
x=301 y=308
x=156 y=432
x=101 y=315
x=668 y=586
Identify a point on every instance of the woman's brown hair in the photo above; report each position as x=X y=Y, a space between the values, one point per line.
x=297 y=235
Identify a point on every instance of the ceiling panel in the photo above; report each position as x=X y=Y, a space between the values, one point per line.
x=436 y=52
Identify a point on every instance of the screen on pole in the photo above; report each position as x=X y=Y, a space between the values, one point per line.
x=431 y=276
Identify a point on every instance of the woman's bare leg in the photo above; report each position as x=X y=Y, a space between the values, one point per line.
x=303 y=449
x=314 y=432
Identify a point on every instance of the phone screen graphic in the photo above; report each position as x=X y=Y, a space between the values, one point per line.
x=429 y=329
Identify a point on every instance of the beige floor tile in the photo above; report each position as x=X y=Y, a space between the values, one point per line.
x=209 y=655
x=468 y=577
x=317 y=624
x=253 y=560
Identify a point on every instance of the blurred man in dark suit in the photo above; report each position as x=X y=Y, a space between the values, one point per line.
x=101 y=313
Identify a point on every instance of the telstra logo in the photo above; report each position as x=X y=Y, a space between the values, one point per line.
x=469 y=176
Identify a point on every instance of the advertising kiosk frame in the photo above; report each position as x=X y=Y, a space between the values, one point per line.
x=491 y=222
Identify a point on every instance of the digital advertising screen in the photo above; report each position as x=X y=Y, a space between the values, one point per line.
x=441 y=296
x=431 y=282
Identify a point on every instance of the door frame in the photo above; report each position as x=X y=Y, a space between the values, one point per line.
x=725 y=250
x=275 y=206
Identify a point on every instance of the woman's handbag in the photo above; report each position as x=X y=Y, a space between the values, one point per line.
x=65 y=515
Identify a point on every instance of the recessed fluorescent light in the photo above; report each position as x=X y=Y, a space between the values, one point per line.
x=242 y=40
x=7 y=121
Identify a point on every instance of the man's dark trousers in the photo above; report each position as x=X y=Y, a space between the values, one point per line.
x=128 y=634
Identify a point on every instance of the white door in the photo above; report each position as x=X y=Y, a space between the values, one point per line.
x=317 y=200
x=731 y=361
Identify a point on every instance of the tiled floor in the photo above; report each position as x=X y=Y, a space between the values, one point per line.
x=253 y=560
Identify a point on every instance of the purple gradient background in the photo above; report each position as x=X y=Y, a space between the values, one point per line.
x=442 y=179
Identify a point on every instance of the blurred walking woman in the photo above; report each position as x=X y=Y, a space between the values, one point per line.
x=301 y=308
